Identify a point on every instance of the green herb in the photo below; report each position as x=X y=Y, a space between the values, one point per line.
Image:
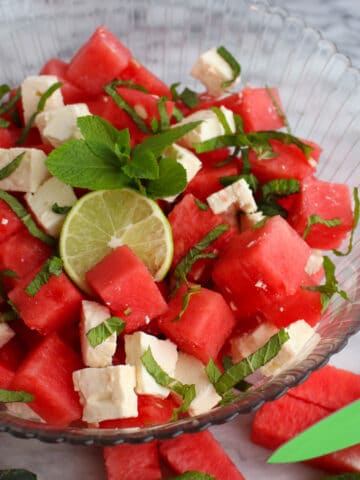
x=6 y=107
x=52 y=266
x=248 y=365
x=246 y=165
x=127 y=311
x=171 y=181
x=227 y=161
x=104 y=330
x=233 y=64
x=177 y=114
x=249 y=178
x=25 y=217
x=342 y=476
x=130 y=84
x=279 y=111
x=281 y=187
x=189 y=98
x=195 y=253
x=186 y=392
x=355 y=224
x=212 y=371
x=17 y=474
x=191 y=290
x=201 y=205
x=5 y=273
x=227 y=363
x=260 y=224
x=4 y=123
x=192 y=475
x=331 y=286
x=315 y=219
x=39 y=109
x=8 y=396
x=270 y=207
x=60 y=209
x=173 y=90
x=164 y=116
x=4 y=89
x=11 y=167
x=222 y=119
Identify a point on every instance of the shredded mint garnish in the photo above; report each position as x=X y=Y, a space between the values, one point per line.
x=316 y=219
x=7 y=396
x=279 y=111
x=6 y=107
x=186 y=392
x=11 y=167
x=249 y=178
x=189 y=98
x=190 y=291
x=177 y=114
x=201 y=205
x=104 y=330
x=4 y=123
x=281 y=187
x=39 y=109
x=17 y=474
x=192 y=475
x=355 y=224
x=270 y=207
x=4 y=90
x=330 y=287
x=233 y=64
x=52 y=266
x=60 y=209
x=222 y=119
x=130 y=84
x=164 y=116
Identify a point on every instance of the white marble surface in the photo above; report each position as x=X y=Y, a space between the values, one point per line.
x=339 y=20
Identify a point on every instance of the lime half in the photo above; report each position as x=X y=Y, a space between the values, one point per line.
x=106 y=219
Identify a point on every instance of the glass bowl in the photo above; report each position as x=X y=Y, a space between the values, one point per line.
x=321 y=95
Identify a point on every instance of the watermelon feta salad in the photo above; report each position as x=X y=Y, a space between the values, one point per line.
x=158 y=245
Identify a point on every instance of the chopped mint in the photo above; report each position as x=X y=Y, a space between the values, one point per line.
x=104 y=330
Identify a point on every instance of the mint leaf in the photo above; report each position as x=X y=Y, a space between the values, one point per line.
x=4 y=123
x=233 y=64
x=271 y=208
x=212 y=371
x=316 y=219
x=11 y=167
x=142 y=166
x=191 y=290
x=192 y=475
x=60 y=210
x=201 y=205
x=52 y=266
x=222 y=119
x=21 y=212
x=177 y=114
x=189 y=98
x=104 y=330
x=17 y=474
x=279 y=111
x=281 y=187
x=173 y=90
x=6 y=107
x=4 y=89
x=253 y=362
x=7 y=396
x=355 y=224
x=130 y=84
x=164 y=116
x=97 y=129
x=171 y=181
x=249 y=178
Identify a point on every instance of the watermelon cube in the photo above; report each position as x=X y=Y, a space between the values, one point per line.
x=260 y=266
x=47 y=374
x=9 y=222
x=99 y=61
x=329 y=201
x=11 y=355
x=201 y=452
x=56 y=304
x=258 y=110
x=125 y=285
x=128 y=462
x=203 y=327
x=140 y=75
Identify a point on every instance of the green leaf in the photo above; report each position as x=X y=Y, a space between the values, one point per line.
x=279 y=111
x=104 y=330
x=75 y=164
x=270 y=207
x=11 y=167
x=4 y=123
x=52 y=266
x=130 y=84
x=21 y=212
x=6 y=107
x=40 y=107
x=281 y=187
x=246 y=165
x=177 y=114
x=262 y=138
x=222 y=119
x=8 y=396
x=17 y=474
x=330 y=287
x=250 y=179
x=355 y=224
x=164 y=116
x=142 y=166
x=201 y=205
x=97 y=129
x=4 y=89
x=173 y=90
x=189 y=98
x=315 y=219
x=192 y=475
x=233 y=64
x=191 y=290
x=253 y=362
x=171 y=181
x=212 y=371
x=60 y=209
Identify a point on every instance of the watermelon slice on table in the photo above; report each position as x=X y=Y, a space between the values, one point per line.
x=128 y=462
x=201 y=452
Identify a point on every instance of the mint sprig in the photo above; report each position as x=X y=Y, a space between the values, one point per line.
x=104 y=330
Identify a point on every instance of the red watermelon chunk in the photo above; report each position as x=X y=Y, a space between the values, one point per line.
x=330 y=387
x=9 y=222
x=291 y=416
x=47 y=373
x=328 y=200
x=289 y=162
x=201 y=452
x=128 y=462
x=259 y=266
x=233 y=102
x=204 y=326
x=11 y=355
x=98 y=62
x=56 y=304
x=8 y=137
x=140 y=75
x=258 y=110
x=123 y=282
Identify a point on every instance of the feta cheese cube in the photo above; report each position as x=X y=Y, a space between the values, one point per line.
x=33 y=88
x=212 y=71
x=189 y=370
x=58 y=126
x=247 y=343
x=209 y=127
x=106 y=393
x=302 y=341
x=187 y=159
x=238 y=194
x=50 y=192
x=163 y=351
x=6 y=334
x=92 y=315
x=31 y=172
x=315 y=262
